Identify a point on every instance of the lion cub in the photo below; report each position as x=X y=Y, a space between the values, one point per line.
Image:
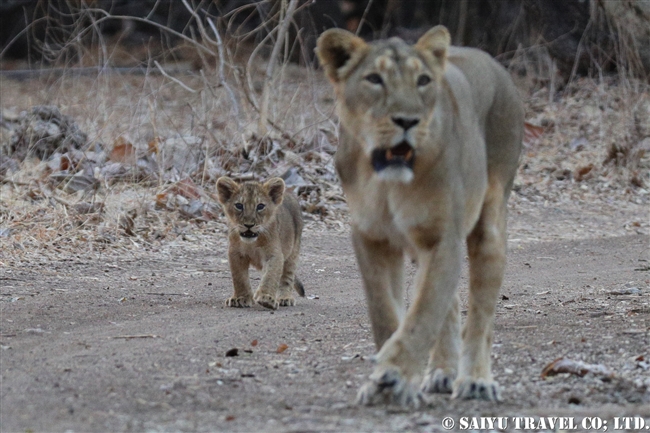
x=265 y=225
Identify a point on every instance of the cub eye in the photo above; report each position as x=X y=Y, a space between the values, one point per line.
x=261 y=206
x=239 y=206
x=374 y=79
x=423 y=80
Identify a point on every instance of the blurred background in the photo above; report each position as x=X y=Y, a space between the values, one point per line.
x=577 y=36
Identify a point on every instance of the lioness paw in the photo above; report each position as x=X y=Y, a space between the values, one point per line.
x=439 y=381
x=239 y=301
x=478 y=389
x=287 y=302
x=266 y=300
x=389 y=386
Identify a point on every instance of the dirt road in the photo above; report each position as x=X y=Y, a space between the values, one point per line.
x=119 y=341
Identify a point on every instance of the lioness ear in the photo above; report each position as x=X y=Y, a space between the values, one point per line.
x=337 y=48
x=436 y=41
x=275 y=189
x=226 y=188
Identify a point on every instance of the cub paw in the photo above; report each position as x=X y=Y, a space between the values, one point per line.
x=287 y=302
x=266 y=301
x=239 y=301
x=389 y=386
x=439 y=381
x=478 y=389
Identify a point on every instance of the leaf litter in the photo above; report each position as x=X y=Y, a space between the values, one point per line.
x=145 y=174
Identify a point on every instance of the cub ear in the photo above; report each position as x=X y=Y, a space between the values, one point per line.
x=226 y=188
x=436 y=41
x=275 y=189
x=335 y=48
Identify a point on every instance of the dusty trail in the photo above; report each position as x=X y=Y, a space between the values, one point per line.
x=138 y=343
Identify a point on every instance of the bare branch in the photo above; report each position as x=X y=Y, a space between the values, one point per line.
x=175 y=80
x=284 y=25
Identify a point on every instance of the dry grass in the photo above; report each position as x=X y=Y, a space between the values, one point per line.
x=594 y=151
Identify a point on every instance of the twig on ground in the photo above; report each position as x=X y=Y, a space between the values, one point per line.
x=130 y=337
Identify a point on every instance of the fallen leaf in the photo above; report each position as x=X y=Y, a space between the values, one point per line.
x=579 y=368
x=281 y=348
x=154 y=146
x=161 y=200
x=122 y=151
x=582 y=172
x=186 y=188
x=254 y=343
x=73 y=183
x=637 y=181
x=531 y=133
x=127 y=224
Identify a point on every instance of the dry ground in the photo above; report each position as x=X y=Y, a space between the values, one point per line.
x=114 y=320
x=137 y=341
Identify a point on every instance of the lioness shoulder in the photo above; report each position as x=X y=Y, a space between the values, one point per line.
x=429 y=144
x=265 y=227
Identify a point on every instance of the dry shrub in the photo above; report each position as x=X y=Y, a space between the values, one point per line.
x=161 y=138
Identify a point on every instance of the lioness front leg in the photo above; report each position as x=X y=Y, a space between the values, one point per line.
x=266 y=293
x=402 y=357
x=486 y=247
x=382 y=271
x=443 y=362
x=243 y=296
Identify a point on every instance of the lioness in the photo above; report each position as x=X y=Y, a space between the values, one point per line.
x=430 y=137
x=265 y=225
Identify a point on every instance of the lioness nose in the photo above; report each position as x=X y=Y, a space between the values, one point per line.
x=249 y=226
x=405 y=122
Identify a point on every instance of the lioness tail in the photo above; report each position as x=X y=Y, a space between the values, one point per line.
x=297 y=284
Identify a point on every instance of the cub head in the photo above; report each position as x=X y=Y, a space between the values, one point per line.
x=250 y=207
x=386 y=93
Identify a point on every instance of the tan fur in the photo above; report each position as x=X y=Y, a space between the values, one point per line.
x=268 y=239
x=430 y=138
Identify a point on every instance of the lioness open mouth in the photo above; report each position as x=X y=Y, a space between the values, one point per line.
x=248 y=234
x=401 y=154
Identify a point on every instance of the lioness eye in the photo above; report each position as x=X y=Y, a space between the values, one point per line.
x=239 y=206
x=423 y=80
x=260 y=206
x=374 y=79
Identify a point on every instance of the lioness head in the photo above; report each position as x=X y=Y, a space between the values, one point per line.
x=250 y=206
x=387 y=93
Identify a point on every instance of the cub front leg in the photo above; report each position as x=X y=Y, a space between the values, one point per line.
x=287 y=281
x=243 y=296
x=403 y=355
x=266 y=293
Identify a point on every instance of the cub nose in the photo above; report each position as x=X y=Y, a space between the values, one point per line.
x=405 y=123
x=249 y=226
